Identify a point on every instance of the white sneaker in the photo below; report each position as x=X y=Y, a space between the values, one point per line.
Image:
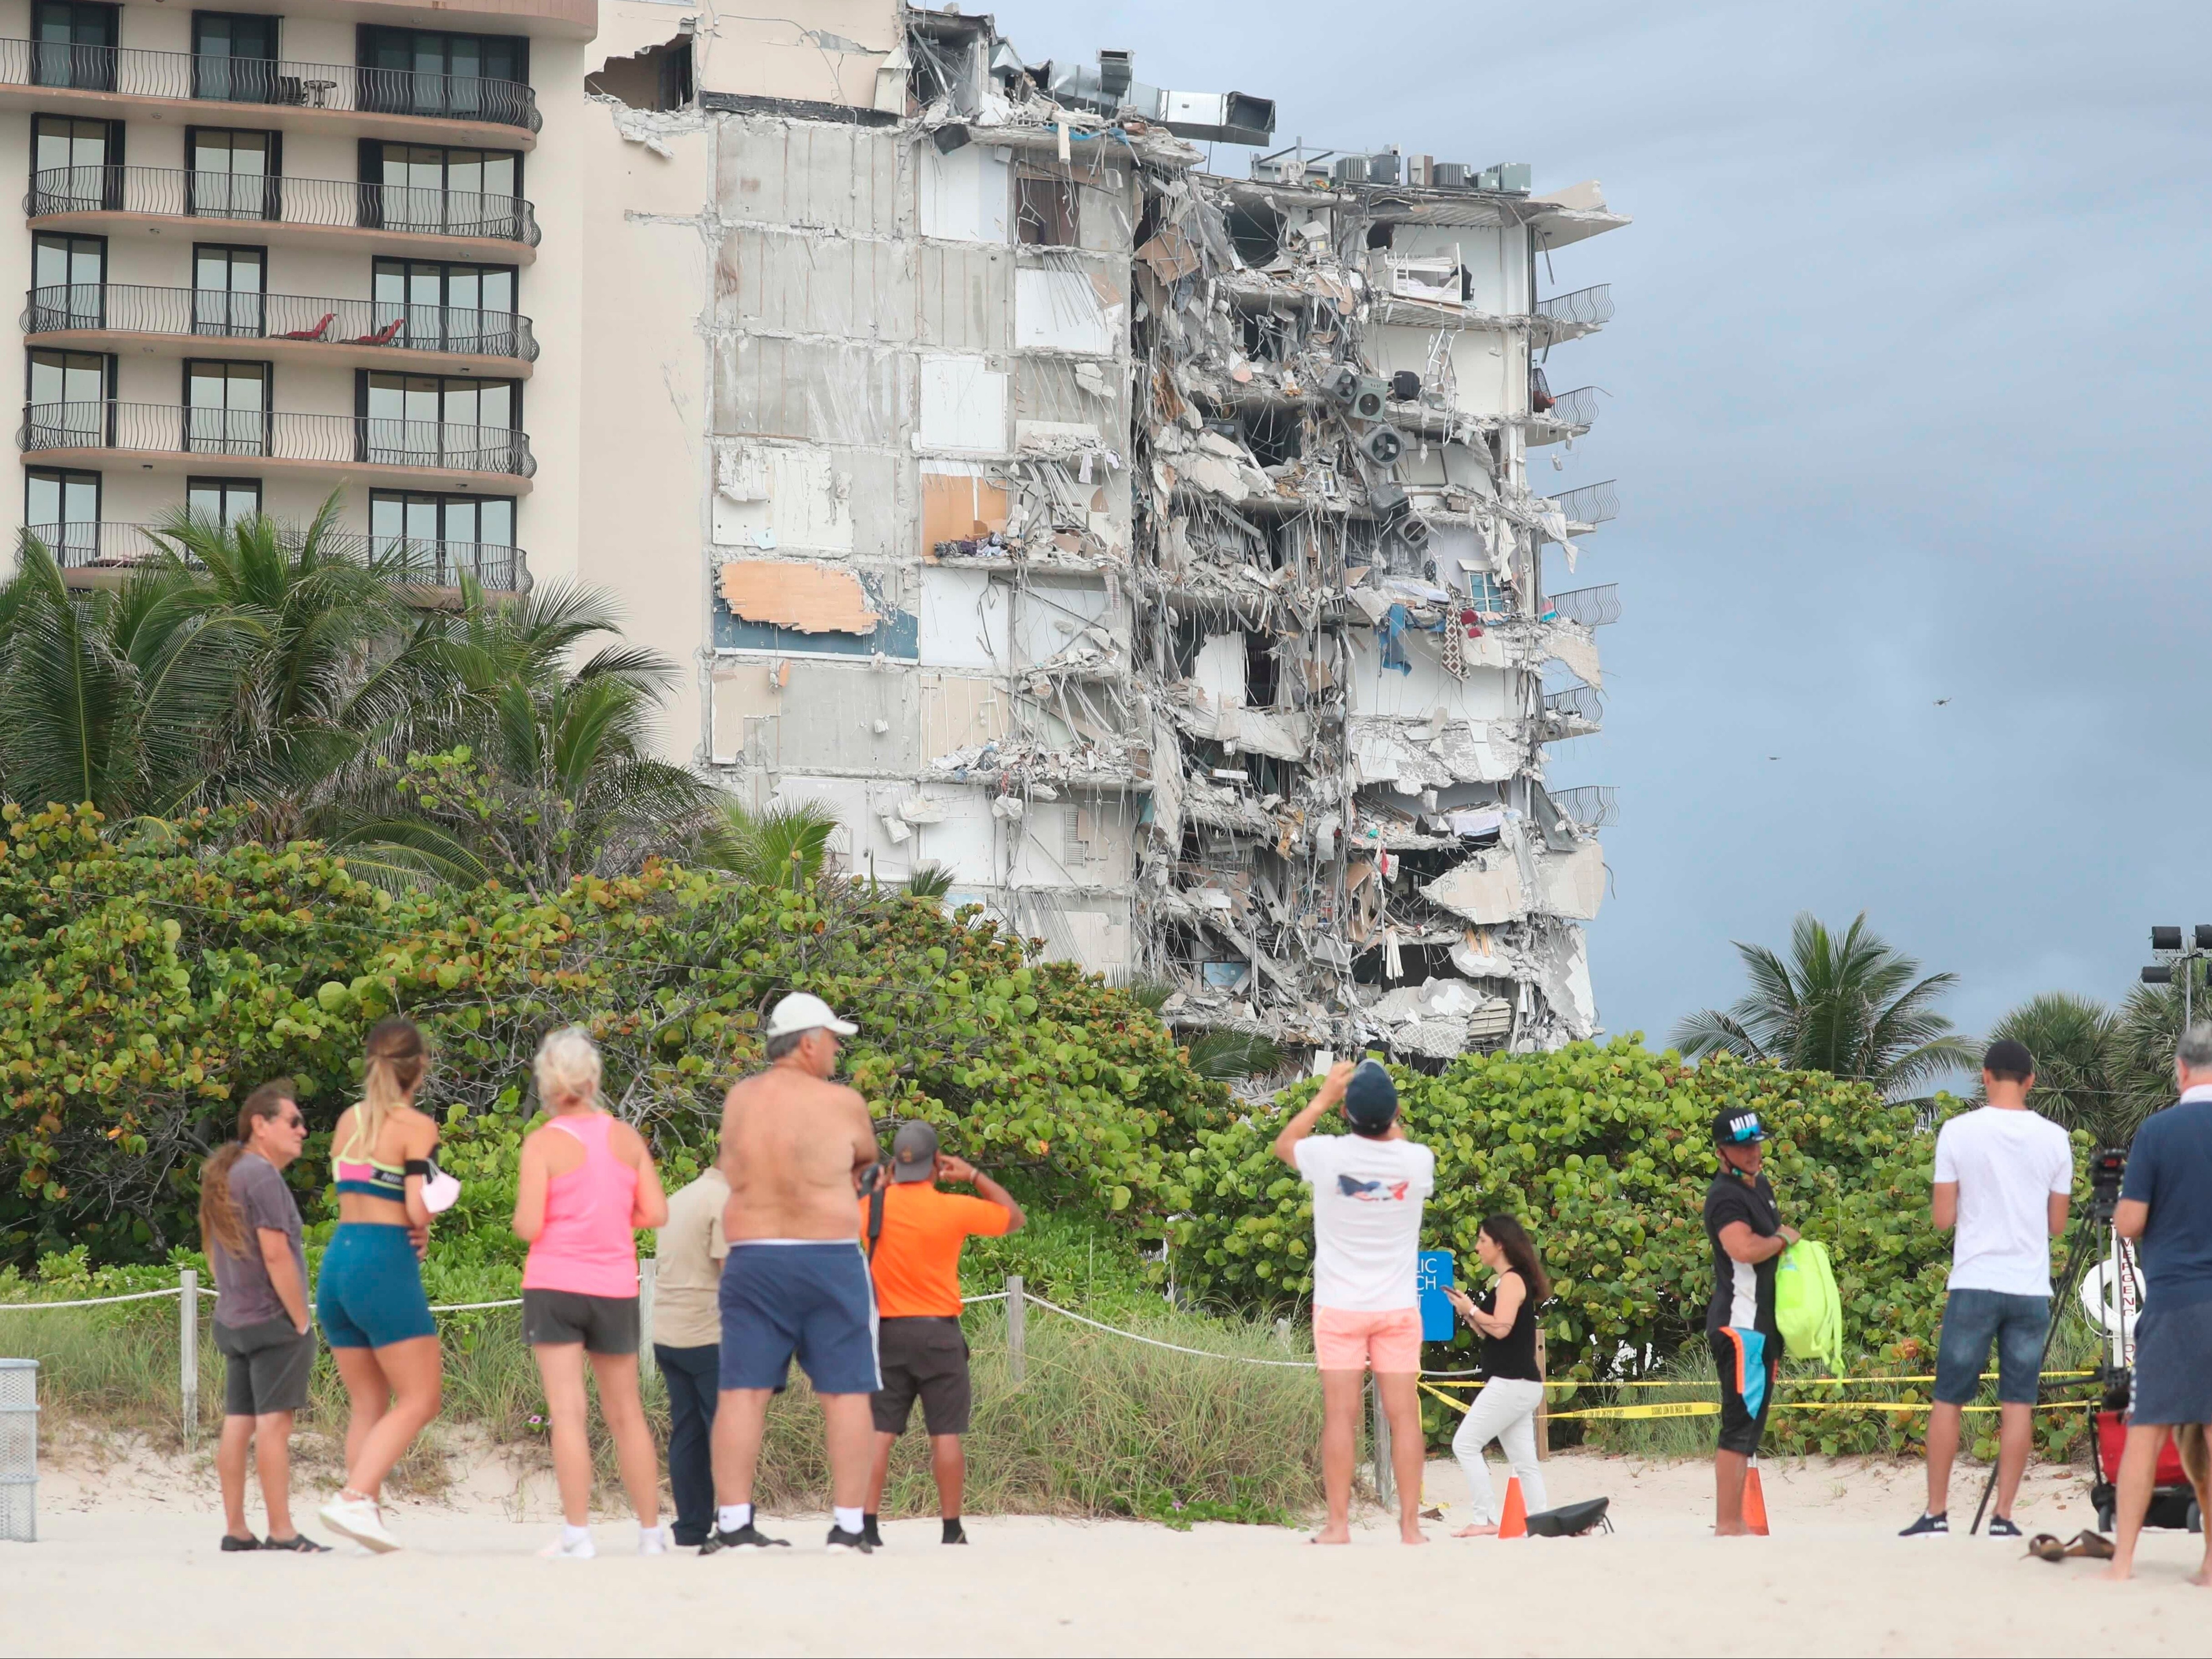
x=359 y=1519
x=561 y=1549
x=655 y=1541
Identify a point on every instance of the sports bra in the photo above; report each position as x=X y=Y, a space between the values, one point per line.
x=368 y=1177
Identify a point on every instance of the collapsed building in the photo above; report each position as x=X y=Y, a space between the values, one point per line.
x=1153 y=550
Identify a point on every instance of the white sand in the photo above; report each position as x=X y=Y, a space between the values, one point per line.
x=128 y=1564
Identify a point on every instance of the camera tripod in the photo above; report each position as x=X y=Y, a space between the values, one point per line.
x=2091 y=1242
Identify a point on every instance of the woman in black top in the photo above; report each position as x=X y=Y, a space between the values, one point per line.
x=1505 y=1410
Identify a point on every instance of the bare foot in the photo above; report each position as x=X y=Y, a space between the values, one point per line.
x=2203 y=1577
x=1412 y=1535
x=1737 y=1531
x=2118 y=1573
x=1482 y=1529
x=1331 y=1535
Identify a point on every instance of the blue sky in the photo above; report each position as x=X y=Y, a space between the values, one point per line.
x=1907 y=388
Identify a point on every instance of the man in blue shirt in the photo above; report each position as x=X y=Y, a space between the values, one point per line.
x=2165 y=1204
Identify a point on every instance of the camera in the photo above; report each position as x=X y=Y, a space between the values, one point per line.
x=2107 y=1166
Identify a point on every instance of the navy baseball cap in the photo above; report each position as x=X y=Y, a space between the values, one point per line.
x=1738 y=1126
x=1370 y=1099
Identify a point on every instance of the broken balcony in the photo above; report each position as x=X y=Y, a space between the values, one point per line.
x=1586 y=508
x=1571 y=316
x=1575 y=712
x=1569 y=415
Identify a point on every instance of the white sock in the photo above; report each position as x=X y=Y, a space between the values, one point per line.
x=573 y=1535
x=846 y=1520
x=736 y=1517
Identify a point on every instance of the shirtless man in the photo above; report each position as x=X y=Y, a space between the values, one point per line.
x=795 y=1145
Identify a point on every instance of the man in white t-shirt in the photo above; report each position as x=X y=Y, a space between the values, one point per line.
x=1368 y=1186
x=2003 y=1177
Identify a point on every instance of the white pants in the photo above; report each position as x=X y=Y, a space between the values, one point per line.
x=1505 y=1410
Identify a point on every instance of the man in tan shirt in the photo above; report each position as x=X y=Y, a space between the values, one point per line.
x=687 y=1344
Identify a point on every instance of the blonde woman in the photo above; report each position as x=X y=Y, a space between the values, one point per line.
x=588 y=1184
x=374 y=1316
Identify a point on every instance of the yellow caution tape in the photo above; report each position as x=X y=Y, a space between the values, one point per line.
x=1711 y=1408
x=1788 y=1383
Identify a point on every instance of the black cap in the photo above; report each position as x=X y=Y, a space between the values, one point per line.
x=1739 y=1126
x=1370 y=1099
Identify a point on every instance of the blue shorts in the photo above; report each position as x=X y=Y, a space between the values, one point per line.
x=370 y=1295
x=1974 y=1319
x=814 y=1300
x=2173 y=1364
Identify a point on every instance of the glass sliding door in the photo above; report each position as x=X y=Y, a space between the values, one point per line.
x=229 y=289
x=444 y=306
x=62 y=510
x=426 y=420
x=73 y=45
x=234 y=57
x=226 y=408
x=436 y=539
x=456 y=193
x=75 y=165
x=428 y=72
x=69 y=405
x=69 y=282
x=233 y=173
x=223 y=500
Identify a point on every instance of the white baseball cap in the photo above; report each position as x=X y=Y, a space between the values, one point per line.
x=802 y=1010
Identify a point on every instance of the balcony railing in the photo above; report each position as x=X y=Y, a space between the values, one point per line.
x=1592 y=805
x=181 y=193
x=1588 y=307
x=344 y=86
x=170 y=429
x=1576 y=702
x=427 y=564
x=127 y=308
x=1593 y=504
x=1593 y=607
x=1576 y=408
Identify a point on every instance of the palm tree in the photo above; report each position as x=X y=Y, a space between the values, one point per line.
x=783 y=846
x=2145 y=1033
x=933 y=881
x=1847 y=1004
x=2073 y=1043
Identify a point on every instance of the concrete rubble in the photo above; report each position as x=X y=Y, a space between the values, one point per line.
x=1154 y=549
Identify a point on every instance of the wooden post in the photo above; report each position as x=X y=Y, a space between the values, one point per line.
x=188 y=1349
x=1385 y=1486
x=1543 y=1405
x=649 y=1269
x=1018 y=1356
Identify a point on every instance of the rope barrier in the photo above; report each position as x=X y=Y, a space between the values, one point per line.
x=1202 y=1353
x=91 y=1302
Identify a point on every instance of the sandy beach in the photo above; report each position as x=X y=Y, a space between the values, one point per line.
x=128 y=1564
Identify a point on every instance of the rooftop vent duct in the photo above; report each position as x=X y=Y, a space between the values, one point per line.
x=1111 y=88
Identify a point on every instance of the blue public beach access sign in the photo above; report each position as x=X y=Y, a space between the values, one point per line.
x=1434 y=1273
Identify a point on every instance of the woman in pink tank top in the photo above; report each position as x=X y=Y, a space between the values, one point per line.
x=588 y=1184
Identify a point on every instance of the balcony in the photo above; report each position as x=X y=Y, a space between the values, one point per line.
x=365 y=333
x=186 y=438
x=100 y=554
x=1586 y=508
x=1571 y=316
x=1568 y=414
x=271 y=209
x=1593 y=607
x=1575 y=712
x=375 y=102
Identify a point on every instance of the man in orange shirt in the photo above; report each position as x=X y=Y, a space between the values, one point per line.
x=914 y=1251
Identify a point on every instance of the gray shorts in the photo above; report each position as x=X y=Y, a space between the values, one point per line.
x=269 y=1365
x=604 y=1324
x=2173 y=1364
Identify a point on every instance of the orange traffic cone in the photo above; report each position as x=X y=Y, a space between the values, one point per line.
x=1754 y=1502
x=1515 y=1524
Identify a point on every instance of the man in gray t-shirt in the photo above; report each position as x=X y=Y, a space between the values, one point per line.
x=251 y=1228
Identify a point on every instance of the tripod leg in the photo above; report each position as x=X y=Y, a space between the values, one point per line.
x=2078 y=1257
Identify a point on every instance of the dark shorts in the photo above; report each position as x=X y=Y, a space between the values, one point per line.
x=814 y=1301
x=1973 y=1320
x=1740 y=1426
x=604 y=1324
x=370 y=1294
x=269 y=1367
x=924 y=1359
x=2173 y=1364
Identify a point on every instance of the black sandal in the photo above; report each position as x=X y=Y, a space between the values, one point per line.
x=298 y=1543
x=232 y=1546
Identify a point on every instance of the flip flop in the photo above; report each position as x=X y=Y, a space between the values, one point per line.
x=2093 y=1544
x=2045 y=1547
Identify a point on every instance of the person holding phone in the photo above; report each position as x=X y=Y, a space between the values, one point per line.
x=1512 y=1391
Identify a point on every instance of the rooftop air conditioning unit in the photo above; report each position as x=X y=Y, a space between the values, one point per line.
x=1382 y=167
x=1222 y=118
x=1406 y=387
x=1451 y=175
x=1516 y=177
x=1351 y=169
x=1413 y=532
x=1367 y=402
x=1343 y=385
x=1384 y=446
x=1419 y=170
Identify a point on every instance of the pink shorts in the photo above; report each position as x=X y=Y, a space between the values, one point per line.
x=1348 y=1340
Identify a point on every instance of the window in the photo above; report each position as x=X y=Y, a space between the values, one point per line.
x=427 y=72
x=76 y=165
x=234 y=57
x=226 y=408
x=447 y=307
x=461 y=192
x=69 y=282
x=418 y=419
x=71 y=399
x=62 y=510
x=223 y=500
x=73 y=45
x=228 y=287
x=1045 y=209
x=232 y=174
x=436 y=538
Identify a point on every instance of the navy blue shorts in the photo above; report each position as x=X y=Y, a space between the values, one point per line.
x=2173 y=1364
x=1973 y=1320
x=813 y=1300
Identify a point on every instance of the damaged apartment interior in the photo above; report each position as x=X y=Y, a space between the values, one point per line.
x=1151 y=542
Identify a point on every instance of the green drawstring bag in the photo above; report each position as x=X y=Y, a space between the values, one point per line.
x=1807 y=1309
